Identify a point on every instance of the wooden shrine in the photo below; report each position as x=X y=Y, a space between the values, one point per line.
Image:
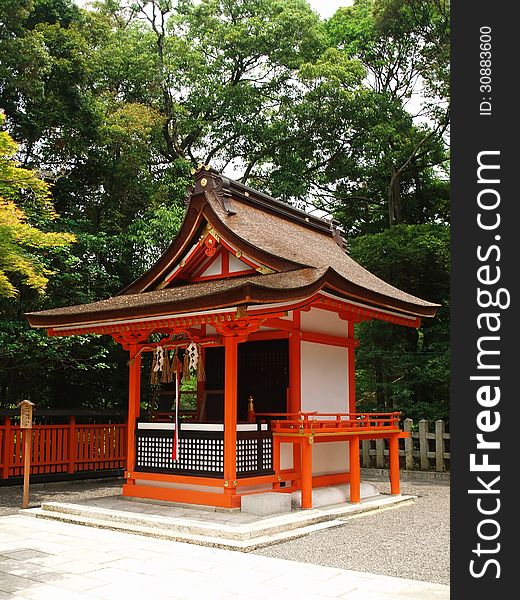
x=268 y=297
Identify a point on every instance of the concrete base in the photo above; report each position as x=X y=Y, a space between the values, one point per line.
x=336 y=494
x=270 y=503
x=235 y=531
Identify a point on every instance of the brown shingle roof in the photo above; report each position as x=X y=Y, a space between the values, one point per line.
x=219 y=293
x=305 y=246
x=302 y=248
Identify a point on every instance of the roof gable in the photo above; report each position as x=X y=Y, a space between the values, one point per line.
x=211 y=257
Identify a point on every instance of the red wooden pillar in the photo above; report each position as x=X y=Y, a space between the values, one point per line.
x=306 y=446
x=230 y=412
x=351 y=370
x=393 y=459
x=134 y=409
x=355 y=469
x=295 y=379
x=276 y=460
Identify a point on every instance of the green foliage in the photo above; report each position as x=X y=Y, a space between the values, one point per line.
x=23 y=196
x=116 y=103
x=399 y=368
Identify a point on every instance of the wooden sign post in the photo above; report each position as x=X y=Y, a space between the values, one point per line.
x=26 y=422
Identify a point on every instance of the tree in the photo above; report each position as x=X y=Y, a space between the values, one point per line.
x=117 y=104
x=21 y=241
x=400 y=368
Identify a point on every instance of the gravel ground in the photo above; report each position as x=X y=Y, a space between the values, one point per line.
x=63 y=491
x=409 y=541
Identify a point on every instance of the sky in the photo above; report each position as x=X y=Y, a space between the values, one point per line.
x=326 y=8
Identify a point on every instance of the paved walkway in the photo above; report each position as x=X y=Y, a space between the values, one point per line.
x=43 y=560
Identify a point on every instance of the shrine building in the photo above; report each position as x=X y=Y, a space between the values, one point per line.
x=255 y=303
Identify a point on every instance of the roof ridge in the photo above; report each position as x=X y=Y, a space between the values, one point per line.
x=223 y=187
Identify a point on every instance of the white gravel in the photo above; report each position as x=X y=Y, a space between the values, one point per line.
x=410 y=541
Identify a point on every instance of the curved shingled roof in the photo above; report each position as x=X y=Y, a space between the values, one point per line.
x=304 y=252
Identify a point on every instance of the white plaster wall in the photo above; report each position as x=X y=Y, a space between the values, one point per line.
x=324 y=321
x=324 y=385
x=324 y=378
x=235 y=264
x=215 y=268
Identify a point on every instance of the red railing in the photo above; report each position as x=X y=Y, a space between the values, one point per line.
x=308 y=422
x=64 y=448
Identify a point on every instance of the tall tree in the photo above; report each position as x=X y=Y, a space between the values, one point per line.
x=24 y=201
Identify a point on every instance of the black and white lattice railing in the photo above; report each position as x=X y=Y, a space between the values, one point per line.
x=201 y=449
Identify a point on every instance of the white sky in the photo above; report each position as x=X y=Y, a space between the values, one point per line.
x=326 y=8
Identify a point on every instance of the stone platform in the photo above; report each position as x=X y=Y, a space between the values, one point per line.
x=213 y=527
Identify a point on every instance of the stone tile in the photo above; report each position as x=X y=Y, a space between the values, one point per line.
x=26 y=554
x=52 y=592
x=67 y=581
x=13 y=583
x=146 y=567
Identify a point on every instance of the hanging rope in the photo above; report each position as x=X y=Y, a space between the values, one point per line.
x=186 y=365
x=175 y=360
x=167 y=376
x=201 y=372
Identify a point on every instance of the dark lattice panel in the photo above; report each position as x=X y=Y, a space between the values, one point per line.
x=254 y=453
x=200 y=453
x=247 y=455
x=267 y=454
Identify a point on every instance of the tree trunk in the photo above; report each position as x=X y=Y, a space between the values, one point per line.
x=394 y=200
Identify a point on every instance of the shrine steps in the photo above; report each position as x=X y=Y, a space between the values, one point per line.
x=210 y=528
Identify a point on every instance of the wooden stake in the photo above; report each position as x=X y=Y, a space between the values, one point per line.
x=26 y=414
x=27 y=434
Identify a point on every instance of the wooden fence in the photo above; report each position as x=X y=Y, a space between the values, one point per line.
x=71 y=447
x=428 y=448
x=63 y=448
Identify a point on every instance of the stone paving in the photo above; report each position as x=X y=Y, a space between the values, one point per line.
x=42 y=560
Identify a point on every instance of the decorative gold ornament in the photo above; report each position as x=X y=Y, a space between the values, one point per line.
x=264 y=270
x=203 y=182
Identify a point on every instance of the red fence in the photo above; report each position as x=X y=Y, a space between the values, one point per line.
x=64 y=448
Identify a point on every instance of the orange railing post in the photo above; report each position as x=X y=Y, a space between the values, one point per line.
x=72 y=445
x=355 y=470
x=393 y=459
x=7 y=448
x=306 y=446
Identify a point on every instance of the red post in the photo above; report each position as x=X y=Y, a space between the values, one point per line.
x=73 y=444
x=134 y=409
x=295 y=382
x=276 y=460
x=355 y=470
x=7 y=448
x=230 y=412
x=306 y=445
x=393 y=459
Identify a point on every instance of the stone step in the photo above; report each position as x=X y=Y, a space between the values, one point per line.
x=199 y=528
x=258 y=541
x=183 y=525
